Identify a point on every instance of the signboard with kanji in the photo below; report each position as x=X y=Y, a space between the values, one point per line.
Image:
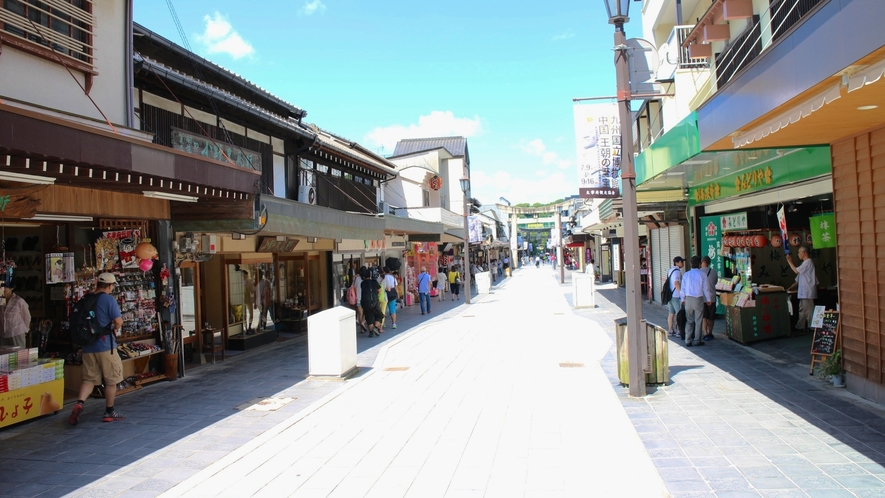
x=598 y=137
x=823 y=230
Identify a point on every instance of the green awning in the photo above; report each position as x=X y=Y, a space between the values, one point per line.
x=679 y=144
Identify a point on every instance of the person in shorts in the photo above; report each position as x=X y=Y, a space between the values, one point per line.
x=372 y=313
x=100 y=359
x=390 y=285
x=675 y=283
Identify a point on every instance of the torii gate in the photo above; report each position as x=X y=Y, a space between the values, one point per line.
x=515 y=211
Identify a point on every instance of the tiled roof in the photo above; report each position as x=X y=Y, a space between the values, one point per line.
x=457 y=146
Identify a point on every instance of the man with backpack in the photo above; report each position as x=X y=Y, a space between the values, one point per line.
x=369 y=288
x=673 y=290
x=100 y=358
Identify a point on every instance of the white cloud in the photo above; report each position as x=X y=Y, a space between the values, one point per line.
x=435 y=124
x=564 y=35
x=219 y=37
x=537 y=148
x=489 y=186
x=313 y=7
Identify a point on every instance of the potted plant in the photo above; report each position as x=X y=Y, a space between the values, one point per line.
x=832 y=368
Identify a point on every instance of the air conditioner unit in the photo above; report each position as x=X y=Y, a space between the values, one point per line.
x=307 y=194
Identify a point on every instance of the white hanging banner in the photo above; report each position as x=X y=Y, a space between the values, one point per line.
x=598 y=138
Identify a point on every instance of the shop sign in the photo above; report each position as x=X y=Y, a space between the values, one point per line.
x=598 y=138
x=823 y=230
x=735 y=221
x=781 y=169
x=711 y=244
x=17 y=205
x=219 y=151
x=29 y=402
x=271 y=244
x=398 y=244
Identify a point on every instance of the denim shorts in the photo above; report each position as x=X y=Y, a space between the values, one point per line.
x=674 y=305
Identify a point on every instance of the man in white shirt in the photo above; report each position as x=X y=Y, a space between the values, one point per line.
x=674 y=277
x=807 y=280
x=695 y=294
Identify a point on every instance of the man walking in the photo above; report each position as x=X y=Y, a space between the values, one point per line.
x=424 y=289
x=709 y=307
x=100 y=359
x=674 y=279
x=807 y=292
x=695 y=294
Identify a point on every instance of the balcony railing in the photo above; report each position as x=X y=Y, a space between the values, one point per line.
x=674 y=44
x=786 y=13
x=739 y=53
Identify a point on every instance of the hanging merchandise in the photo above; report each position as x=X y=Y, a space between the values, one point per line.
x=145 y=264
x=59 y=267
x=126 y=247
x=106 y=255
x=146 y=250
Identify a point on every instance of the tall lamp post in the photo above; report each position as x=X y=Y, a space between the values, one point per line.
x=618 y=14
x=559 y=244
x=514 y=236
x=465 y=277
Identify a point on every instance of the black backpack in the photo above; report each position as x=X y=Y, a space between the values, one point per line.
x=369 y=298
x=84 y=325
x=667 y=292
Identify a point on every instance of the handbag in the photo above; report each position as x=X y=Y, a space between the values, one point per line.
x=458 y=280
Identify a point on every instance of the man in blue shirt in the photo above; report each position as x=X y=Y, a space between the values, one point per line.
x=424 y=289
x=100 y=359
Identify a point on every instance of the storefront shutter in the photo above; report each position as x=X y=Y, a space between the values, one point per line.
x=659 y=262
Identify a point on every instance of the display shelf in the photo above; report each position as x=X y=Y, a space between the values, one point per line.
x=141 y=356
x=149 y=380
x=121 y=392
x=133 y=338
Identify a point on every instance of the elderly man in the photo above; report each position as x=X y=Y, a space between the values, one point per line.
x=695 y=294
x=807 y=292
x=710 y=306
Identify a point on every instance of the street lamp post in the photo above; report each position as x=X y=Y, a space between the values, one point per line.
x=514 y=236
x=465 y=277
x=618 y=14
x=559 y=244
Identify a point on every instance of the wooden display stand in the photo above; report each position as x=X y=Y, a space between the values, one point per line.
x=825 y=339
x=768 y=319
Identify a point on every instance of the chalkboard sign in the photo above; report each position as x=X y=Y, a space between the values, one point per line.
x=824 y=342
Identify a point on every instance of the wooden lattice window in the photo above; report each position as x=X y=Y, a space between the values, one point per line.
x=56 y=30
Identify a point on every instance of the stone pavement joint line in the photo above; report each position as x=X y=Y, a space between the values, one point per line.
x=484 y=408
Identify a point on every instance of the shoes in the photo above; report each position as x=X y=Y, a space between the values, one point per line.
x=699 y=343
x=394 y=326
x=708 y=337
x=74 y=417
x=682 y=337
x=114 y=416
x=688 y=344
x=422 y=312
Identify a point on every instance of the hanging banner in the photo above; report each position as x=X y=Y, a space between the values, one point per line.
x=598 y=138
x=782 y=223
x=823 y=230
x=474 y=228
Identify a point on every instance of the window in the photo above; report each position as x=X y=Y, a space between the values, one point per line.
x=306 y=163
x=369 y=181
x=348 y=176
x=336 y=173
x=322 y=168
x=357 y=178
x=54 y=29
x=426 y=198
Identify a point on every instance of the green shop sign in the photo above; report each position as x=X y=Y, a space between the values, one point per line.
x=774 y=168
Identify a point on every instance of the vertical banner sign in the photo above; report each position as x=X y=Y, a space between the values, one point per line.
x=823 y=230
x=782 y=223
x=598 y=138
x=711 y=245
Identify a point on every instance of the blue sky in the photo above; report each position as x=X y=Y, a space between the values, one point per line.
x=503 y=74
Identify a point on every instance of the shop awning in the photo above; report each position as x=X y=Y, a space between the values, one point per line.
x=574 y=244
x=408 y=226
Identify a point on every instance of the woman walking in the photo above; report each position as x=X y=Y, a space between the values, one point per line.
x=455 y=282
x=442 y=279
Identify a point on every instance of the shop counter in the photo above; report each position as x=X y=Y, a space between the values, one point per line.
x=769 y=318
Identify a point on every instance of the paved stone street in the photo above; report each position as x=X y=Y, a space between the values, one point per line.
x=515 y=395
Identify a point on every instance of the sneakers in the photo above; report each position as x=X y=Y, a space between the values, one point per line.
x=708 y=337
x=394 y=326
x=114 y=416
x=74 y=417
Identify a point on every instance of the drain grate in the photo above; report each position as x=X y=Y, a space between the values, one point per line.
x=571 y=365
x=396 y=369
x=264 y=404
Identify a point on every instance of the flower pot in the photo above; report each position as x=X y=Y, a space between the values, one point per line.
x=837 y=380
